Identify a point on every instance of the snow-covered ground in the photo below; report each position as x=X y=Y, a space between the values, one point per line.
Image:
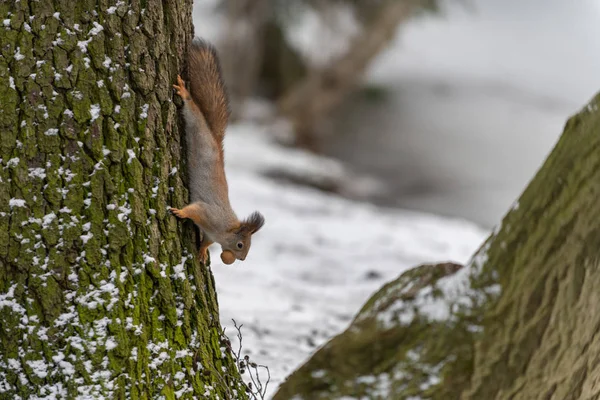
x=478 y=97
x=318 y=258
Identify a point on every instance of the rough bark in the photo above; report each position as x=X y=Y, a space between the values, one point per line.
x=541 y=337
x=521 y=321
x=100 y=295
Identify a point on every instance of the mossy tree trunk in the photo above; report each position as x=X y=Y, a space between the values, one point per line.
x=541 y=339
x=521 y=321
x=100 y=294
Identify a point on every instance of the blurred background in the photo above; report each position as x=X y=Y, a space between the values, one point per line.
x=452 y=105
x=376 y=135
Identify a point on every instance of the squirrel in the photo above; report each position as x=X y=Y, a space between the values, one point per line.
x=206 y=112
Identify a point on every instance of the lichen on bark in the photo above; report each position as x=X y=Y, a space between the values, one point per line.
x=100 y=294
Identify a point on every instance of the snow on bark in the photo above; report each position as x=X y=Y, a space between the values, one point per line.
x=84 y=314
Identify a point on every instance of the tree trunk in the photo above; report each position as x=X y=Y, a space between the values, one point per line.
x=521 y=321
x=282 y=67
x=100 y=294
x=312 y=98
x=541 y=337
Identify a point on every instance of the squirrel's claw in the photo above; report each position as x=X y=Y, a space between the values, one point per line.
x=177 y=212
x=180 y=88
x=203 y=256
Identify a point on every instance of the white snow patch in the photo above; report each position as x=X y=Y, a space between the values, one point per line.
x=39 y=367
x=131 y=154
x=16 y=203
x=67 y=368
x=125 y=211
x=95 y=111
x=7 y=300
x=82 y=44
x=110 y=343
x=14 y=364
x=96 y=29
x=107 y=61
x=318 y=374
x=47 y=219
x=144 y=113
x=85 y=238
x=18 y=55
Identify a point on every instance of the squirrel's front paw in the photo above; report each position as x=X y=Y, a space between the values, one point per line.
x=181 y=90
x=177 y=212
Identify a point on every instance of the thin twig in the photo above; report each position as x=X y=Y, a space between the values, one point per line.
x=268 y=378
x=254 y=388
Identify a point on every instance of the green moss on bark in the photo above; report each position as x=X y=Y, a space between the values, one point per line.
x=100 y=294
x=540 y=336
x=392 y=350
x=521 y=324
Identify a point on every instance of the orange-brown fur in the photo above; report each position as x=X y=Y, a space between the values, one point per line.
x=206 y=114
x=208 y=88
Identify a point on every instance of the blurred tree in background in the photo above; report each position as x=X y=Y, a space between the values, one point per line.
x=261 y=54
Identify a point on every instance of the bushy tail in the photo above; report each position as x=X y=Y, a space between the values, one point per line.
x=207 y=86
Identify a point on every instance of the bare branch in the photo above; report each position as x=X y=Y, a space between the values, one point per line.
x=255 y=388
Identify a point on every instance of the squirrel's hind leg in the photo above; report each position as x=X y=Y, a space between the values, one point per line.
x=181 y=90
x=203 y=249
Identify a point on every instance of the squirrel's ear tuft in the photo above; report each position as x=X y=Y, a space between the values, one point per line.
x=253 y=223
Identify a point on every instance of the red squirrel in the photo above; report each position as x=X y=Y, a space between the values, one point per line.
x=206 y=113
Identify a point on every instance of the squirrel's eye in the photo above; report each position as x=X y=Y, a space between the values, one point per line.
x=240 y=245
